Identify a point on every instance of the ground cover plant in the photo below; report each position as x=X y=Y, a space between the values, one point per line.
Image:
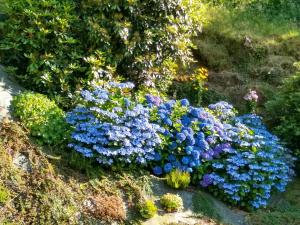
x=147 y=209
x=178 y=179
x=54 y=192
x=171 y=202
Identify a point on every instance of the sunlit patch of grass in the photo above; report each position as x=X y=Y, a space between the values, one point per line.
x=203 y=206
x=237 y=23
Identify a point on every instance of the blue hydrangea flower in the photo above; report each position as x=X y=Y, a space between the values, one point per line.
x=185 y=160
x=168 y=167
x=157 y=170
x=180 y=137
x=185 y=102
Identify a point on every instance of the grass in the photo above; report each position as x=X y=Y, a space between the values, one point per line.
x=204 y=207
x=244 y=49
x=285 y=210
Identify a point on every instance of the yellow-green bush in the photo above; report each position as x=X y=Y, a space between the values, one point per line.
x=171 y=202
x=147 y=209
x=41 y=116
x=178 y=179
x=4 y=194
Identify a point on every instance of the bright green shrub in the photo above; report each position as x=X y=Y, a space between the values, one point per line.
x=4 y=194
x=171 y=202
x=59 y=46
x=178 y=179
x=148 y=209
x=284 y=112
x=41 y=116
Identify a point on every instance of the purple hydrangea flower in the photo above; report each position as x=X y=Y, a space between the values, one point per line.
x=206 y=180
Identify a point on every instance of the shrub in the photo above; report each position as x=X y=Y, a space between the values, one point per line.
x=236 y=158
x=254 y=164
x=191 y=87
x=40 y=40
x=284 y=111
x=59 y=46
x=171 y=202
x=107 y=208
x=113 y=129
x=4 y=194
x=147 y=209
x=178 y=179
x=41 y=116
x=189 y=135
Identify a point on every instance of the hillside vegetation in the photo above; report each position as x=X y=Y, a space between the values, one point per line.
x=150 y=112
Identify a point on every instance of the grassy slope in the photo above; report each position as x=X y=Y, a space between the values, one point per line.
x=54 y=191
x=245 y=50
x=235 y=66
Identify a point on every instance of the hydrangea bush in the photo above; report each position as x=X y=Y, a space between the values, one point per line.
x=234 y=157
x=113 y=129
x=253 y=164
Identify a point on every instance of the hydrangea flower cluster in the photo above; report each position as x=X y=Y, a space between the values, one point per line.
x=191 y=136
x=223 y=111
x=113 y=129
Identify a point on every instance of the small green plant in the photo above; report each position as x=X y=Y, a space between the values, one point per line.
x=148 y=209
x=4 y=194
x=41 y=116
x=171 y=202
x=178 y=179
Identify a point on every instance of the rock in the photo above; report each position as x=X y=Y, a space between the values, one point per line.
x=8 y=88
x=247 y=42
x=21 y=161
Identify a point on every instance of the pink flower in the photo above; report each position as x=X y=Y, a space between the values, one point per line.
x=251 y=96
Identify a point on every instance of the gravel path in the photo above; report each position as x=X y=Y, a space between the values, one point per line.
x=188 y=216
